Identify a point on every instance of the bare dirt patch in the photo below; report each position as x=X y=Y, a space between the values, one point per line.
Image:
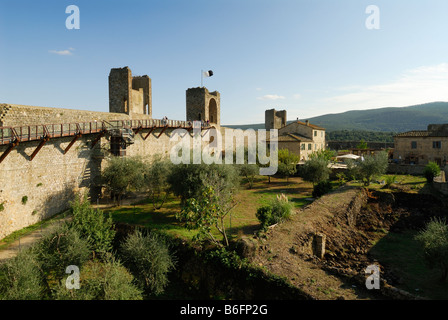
x=352 y=220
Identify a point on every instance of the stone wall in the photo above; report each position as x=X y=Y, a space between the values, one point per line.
x=34 y=190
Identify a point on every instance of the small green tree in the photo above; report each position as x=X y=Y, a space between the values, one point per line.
x=373 y=165
x=316 y=170
x=362 y=144
x=157 y=181
x=92 y=225
x=149 y=258
x=249 y=171
x=205 y=212
x=122 y=175
x=434 y=241
x=287 y=163
x=188 y=180
x=431 y=171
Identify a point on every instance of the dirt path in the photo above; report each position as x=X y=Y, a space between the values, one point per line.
x=287 y=250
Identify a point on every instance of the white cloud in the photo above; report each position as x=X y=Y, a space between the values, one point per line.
x=416 y=86
x=297 y=96
x=271 y=97
x=63 y=52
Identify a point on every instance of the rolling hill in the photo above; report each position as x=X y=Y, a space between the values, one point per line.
x=384 y=119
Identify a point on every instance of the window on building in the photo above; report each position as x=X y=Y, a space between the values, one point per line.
x=302 y=146
x=309 y=146
x=437 y=144
x=315 y=133
x=414 y=144
x=322 y=134
x=315 y=146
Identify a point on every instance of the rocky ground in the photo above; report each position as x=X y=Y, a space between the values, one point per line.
x=352 y=220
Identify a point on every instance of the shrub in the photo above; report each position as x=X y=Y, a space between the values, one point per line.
x=389 y=181
x=278 y=210
x=434 y=241
x=431 y=171
x=21 y=278
x=108 y=280
x=321 y=188
x=92 y=225
x=60 y=249
x=149 y=259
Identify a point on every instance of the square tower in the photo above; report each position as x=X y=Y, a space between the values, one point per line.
x=274 y=119
x=203 y=105
x=127 y=94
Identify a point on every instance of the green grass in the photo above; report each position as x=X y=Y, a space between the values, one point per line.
x=414 y=183
x=402 y=254
x=5 y=242
x=241 y=220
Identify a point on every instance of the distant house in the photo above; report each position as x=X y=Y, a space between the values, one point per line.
x=300 y=138
x=421 y=147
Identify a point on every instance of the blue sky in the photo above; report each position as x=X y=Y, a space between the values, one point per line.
x=310 y=57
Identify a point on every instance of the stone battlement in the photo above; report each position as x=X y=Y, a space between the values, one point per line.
x=13 y=115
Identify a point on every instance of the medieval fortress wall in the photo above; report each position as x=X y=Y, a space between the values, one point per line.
x=38 y=178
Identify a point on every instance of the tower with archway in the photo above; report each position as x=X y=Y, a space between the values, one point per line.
x=203 y=105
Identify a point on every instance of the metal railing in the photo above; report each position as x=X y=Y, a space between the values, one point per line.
x=9 y=135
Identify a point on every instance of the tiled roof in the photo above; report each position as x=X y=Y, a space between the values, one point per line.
x=310 y=125
x=411 y=134
x=292 y=137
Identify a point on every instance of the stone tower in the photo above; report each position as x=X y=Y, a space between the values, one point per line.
x=127 y=94
x=274 y=119
x=203 y=105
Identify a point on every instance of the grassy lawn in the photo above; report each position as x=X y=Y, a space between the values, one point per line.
x=413 y=183
x=241 y=221
x=400 y=253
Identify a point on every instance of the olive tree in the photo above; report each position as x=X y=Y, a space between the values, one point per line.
x=434 y=241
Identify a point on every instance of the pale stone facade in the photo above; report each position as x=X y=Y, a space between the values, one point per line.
x=421 y=147
x=301 y=138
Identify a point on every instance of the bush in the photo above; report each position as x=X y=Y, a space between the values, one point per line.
x=431 y=171
x=321 y=188
x=108 y=280
x=21 y=278
x=278 y=210
x=60 y=249
x=389 y=181
x=434 y=241
x=92 y=225
x=149 y=259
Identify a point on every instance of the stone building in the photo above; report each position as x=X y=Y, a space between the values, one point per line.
x=300 y=138
x=421 y=147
